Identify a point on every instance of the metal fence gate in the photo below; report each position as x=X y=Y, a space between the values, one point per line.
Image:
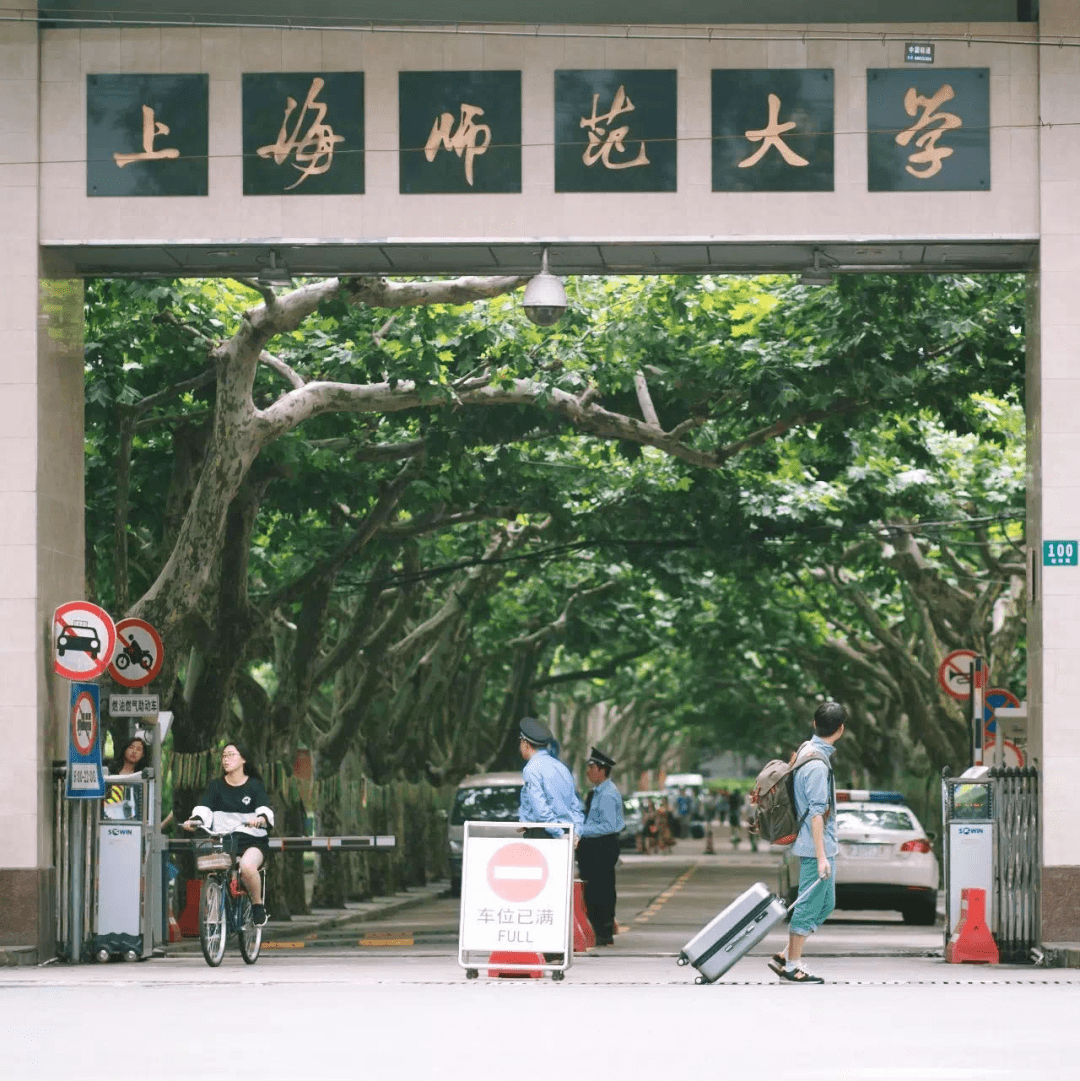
x=1018 y=861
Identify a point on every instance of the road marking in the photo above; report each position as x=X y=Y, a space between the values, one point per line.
x=283 y=945
x=387 y=938
x=666 y=896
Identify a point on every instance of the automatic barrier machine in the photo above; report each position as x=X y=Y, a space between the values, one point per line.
x=109 y=861
x=967 y=815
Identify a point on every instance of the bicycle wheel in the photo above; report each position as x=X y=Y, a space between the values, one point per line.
x=212 y=928
x=249 y=936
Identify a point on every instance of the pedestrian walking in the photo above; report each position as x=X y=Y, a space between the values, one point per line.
x=548 y=794
x=815 y=806
x=650 y=829
x=598 y=848
x=735 y=803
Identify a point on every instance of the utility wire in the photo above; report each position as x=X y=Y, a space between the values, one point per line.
x=115 y=19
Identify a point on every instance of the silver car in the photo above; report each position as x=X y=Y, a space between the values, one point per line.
x=484 y=797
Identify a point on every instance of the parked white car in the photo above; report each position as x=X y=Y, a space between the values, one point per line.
x=885 y=861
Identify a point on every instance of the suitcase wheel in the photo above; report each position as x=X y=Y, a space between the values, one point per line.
x=700 y=980
x=682 y=960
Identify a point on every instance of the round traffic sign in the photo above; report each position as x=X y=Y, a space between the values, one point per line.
x=84 y=637
x=1012 y=756
x=139 y=653
x=992 y=701
x=517 y=871
x=954 y=673
x=84 y=723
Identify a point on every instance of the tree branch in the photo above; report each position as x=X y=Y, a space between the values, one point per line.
x=283 y=369
x=648 y=410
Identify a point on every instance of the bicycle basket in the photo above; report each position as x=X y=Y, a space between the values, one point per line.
x=214 y=861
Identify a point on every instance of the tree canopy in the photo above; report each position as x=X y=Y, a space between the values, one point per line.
x=386 y=520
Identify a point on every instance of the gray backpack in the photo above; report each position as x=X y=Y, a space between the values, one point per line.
x=772 y=810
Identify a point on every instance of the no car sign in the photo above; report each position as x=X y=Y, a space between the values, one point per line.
x=84 y=637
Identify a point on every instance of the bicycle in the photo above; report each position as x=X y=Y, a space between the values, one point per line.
x=225 y=907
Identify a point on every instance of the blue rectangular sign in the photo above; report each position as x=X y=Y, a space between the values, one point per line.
x=1060 y=553
x=84 y=780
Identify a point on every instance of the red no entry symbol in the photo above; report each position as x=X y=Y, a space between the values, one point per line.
x=517 y=871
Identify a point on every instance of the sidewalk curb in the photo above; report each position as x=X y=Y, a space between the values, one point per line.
x=308 y=925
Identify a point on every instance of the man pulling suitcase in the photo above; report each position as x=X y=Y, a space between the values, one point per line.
x=815 y=806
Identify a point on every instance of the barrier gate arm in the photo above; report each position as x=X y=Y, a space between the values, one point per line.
x=372 y=843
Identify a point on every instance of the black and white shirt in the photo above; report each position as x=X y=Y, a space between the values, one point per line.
x=224 y=808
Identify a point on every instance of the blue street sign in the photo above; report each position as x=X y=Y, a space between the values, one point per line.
x=995 y=698
x=1060 y=553
x=84 y=780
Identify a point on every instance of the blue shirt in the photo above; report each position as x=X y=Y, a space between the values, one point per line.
x=813 y=796
x=605 y=811
x=548 y=794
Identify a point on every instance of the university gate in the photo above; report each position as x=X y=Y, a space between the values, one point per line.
x=247 y=142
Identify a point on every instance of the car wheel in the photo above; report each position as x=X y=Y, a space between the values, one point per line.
x=921 y=914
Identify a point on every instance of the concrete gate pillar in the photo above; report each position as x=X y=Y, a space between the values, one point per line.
x=41 y=499
x=1054 y=469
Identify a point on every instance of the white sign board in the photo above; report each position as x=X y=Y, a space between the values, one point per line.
x=971 y=864
x=133 y=705
x=516 y=893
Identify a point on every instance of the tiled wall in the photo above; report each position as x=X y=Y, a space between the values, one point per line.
x=1009 y=209
x=41 y=499
x=21 y=653
x=1055 y=649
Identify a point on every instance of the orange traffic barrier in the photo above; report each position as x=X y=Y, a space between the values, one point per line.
x=972 y=942
x=507 y=957
x=584 y=935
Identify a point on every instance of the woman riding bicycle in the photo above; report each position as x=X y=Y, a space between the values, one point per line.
x=237 y=804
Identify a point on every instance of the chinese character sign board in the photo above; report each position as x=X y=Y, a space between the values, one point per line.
x=772 y=130
x=928 y=130
x=616 y=131
x=460 y=131
x=304 y=133
x=147 y=134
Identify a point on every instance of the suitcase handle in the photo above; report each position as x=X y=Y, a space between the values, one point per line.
x=805 y=893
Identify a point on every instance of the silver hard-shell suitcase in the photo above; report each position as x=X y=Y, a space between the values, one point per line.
x=736 y=931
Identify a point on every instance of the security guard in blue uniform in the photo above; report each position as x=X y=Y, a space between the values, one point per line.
x=548 y=794
x=598 y=849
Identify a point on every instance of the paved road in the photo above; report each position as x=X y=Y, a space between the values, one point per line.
x=339 y=1011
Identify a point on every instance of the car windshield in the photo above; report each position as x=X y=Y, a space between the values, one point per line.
x=882 y=819
x=490 y=803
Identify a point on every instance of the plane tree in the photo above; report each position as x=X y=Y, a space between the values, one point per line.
x=281 y=478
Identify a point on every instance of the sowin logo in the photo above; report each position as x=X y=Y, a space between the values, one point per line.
x=967 y=831
x=115 y=831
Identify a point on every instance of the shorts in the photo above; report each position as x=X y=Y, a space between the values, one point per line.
x=811 y=912
x=239 y=843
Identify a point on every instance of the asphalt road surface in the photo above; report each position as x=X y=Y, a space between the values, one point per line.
x=334 y=1009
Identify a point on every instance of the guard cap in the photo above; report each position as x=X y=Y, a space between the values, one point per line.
x=600 y=759
x=535 y=732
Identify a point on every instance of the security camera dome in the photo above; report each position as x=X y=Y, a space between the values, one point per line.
x=545 y=298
